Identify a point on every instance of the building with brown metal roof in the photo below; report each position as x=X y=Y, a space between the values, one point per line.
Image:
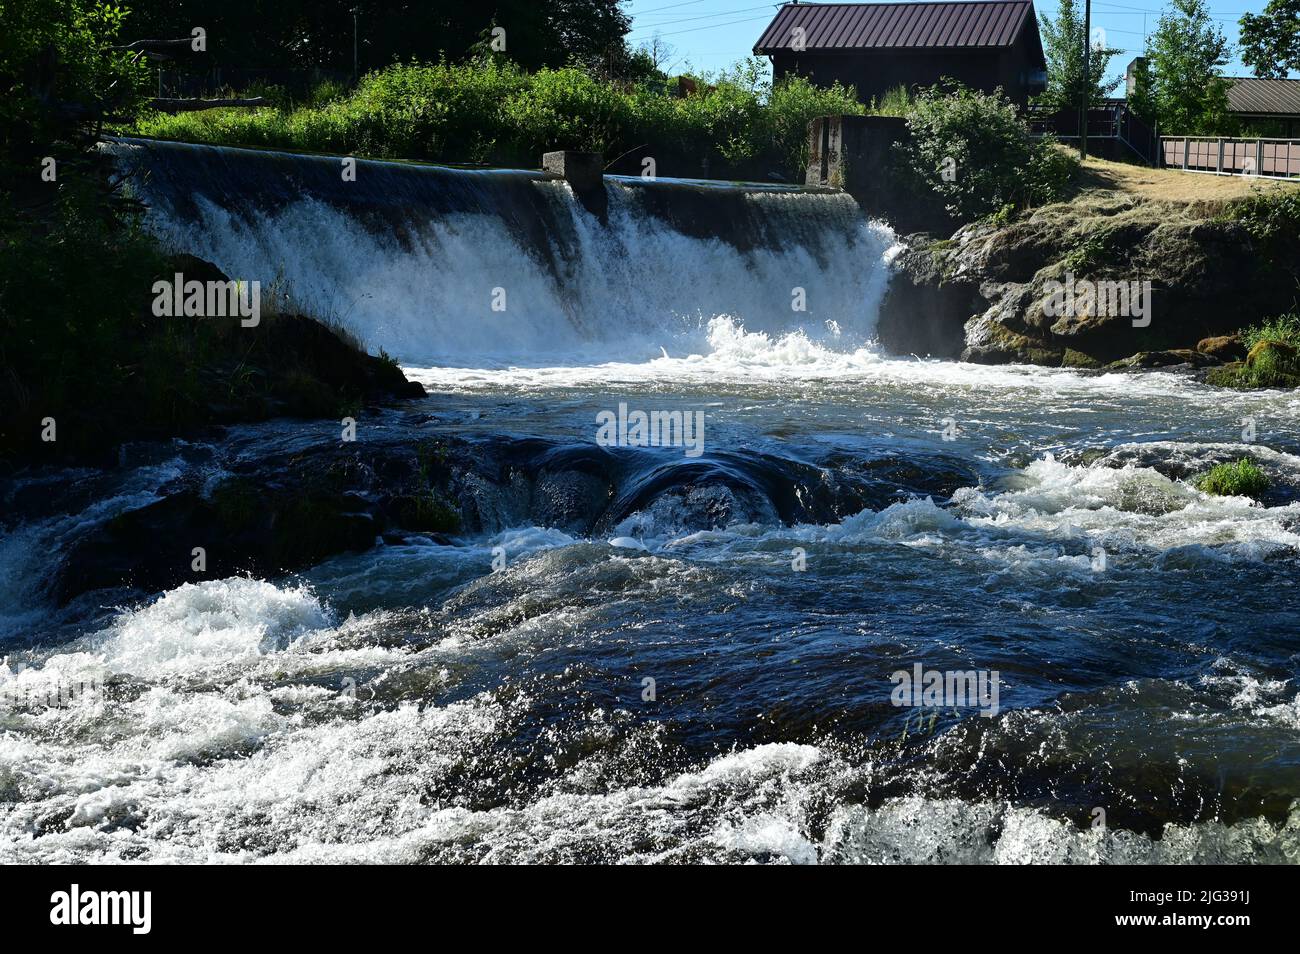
x=1271 y=106
x=875 y=47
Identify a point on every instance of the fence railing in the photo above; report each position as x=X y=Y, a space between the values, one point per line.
x=1267 y=158
x=1108 y=122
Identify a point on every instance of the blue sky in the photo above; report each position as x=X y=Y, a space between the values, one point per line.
x=710 y=34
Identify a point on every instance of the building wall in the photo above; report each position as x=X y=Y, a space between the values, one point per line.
x=873 y=73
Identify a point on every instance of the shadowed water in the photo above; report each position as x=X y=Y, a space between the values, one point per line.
x=483 y=697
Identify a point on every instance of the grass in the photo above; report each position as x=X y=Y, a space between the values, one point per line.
x=1283 y=330
x=1174 y=185
x=1240 y=479
x=494 y=112
x=1273 y=358
x=896 y=102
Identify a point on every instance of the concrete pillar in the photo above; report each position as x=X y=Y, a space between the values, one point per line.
x=857 y=154
x=585 y=173
x=853 y=153
x=583 y=170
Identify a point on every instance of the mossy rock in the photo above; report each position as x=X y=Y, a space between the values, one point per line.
x=1223 y=347
x=1270 y=364
x=427 y=513
x=994 y=343
x=1077 y=359
x=1272 y=356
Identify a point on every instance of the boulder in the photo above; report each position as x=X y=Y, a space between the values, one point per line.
x=1201 y=280
x=1223 y=347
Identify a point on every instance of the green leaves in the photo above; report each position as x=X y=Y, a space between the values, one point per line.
x=1063 y=42
x=1270 y=41
x=1185 y=55
x=974 y=150
x=490 y=110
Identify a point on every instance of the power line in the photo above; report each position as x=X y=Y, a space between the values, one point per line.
x=713 y=26
x=687 y=3
x=706 y=16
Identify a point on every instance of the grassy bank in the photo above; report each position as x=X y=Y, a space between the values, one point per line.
x=493 y=112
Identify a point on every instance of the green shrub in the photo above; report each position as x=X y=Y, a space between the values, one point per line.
x=975 y=152
x=566 y=109
x=1273 y=359
x=896 y=102
x=794 y=103
x=1241 y=479
x=491 y=111
x=1285 y=329
x=1273 y=219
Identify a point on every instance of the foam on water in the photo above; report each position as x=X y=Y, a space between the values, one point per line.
x=493 y=271
x=214 y=623
x=419 y=702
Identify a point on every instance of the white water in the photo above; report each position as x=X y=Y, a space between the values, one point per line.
x=228 y=735
x=467 y=292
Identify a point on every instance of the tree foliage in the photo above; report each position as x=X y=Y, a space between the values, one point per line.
x=974 y=150
x=1270 y=41
x=1063 y=42
x=319 y=33
x=1186 y=55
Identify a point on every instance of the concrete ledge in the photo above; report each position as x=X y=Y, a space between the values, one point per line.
x=582 y=170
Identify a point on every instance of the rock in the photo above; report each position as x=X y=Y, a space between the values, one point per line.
x=923 y=312
x=990 y=342
x=1223 y=347
x=273 y=515
x=1271 y=355
x=1077 y=359
x=1164 y=359
x=1206 y=279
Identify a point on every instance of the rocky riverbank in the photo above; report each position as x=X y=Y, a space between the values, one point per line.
x=1052 y=287
x=175 y=376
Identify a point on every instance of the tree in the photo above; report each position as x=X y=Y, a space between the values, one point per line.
x=1185 y=55
x=1270 y=41
x=1141 y=100
x=1063 y=40
x=59 y=80
x=319 y=33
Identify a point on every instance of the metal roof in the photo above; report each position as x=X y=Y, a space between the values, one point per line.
x=1270 y=97
x=953 y=24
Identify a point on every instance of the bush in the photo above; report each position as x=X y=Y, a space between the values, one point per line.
x=794 y=103
x=896 y=102
x=1273 y=359
x=491 y=111
x=1273 y=219
x=975 y=152
x=1242 y=479
x=565 y=109
x=1285 y=330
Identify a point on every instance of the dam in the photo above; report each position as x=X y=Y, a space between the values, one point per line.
x=438 y=265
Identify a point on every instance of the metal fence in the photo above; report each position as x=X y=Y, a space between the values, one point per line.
x=1114 y=121
x=1267 y=158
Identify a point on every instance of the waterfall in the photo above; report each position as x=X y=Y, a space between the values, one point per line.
x=442 y=266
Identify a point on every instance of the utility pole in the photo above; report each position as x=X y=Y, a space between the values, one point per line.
x=1087 y=80
x=355 y=74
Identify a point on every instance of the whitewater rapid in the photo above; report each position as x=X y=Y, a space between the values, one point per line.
x=481 y=696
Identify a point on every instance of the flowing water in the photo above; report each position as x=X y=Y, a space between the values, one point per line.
x=636 y=654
